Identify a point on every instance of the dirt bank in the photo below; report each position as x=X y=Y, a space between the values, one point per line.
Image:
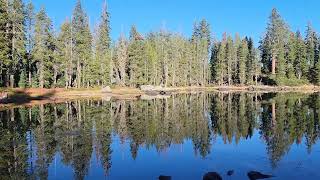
x=33 y=96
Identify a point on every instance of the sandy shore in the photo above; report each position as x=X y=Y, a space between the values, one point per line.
x=33 y=96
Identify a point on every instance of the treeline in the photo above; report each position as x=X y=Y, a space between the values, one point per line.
x=32 y=54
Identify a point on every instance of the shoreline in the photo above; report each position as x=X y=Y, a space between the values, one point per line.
x=18 y=97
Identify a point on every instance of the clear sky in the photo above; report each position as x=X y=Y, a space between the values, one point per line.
x=247 y=17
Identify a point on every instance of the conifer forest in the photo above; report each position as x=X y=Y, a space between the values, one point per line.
x=33 y=54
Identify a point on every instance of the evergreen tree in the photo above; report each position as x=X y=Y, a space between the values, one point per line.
x=230 y=51
x=250 y=66
x=221 y=65
x=317 y=73
x=242 y=55
x=273 y=44
x=301 y=64
x=103 y=51
x=17 y=40
x=44 y=49
x=256 y=65
x=312 y=53
x=214 y=60
x=4 y=39
x=64 y=48
x=291 y=56
x=30 y=18
x=121 y=59
x=136 y=58
x=201 y=41
x=82 y=43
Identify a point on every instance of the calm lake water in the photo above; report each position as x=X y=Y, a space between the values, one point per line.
x=184 y=137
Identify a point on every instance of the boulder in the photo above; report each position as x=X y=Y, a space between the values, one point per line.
x=147 y=88
x=212 y=176
x=106 y=89
x=3 y=95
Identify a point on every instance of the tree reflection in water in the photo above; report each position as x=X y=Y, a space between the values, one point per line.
x=31 y=137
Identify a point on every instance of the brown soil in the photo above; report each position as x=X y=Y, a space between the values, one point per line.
x=33 y=96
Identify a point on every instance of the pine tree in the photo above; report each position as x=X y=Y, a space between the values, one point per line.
x=235 y=60
x=4 y=39
x=273 y=44
x=151 y=56
x=44 y=49
x=136 y=58
x=230 y=51
x=291 y=56
x=82 y=43
x=242 y=55
x=256 y=65
x=312 y=53
x=214 y=60
x=30 y=18
x=250 y=68
x=103 y=51
x=317 y=73
x=121 y=60
x=17 y=40
x=64 y=48
x=221 y=65
x=301 y=64
x=201 y=41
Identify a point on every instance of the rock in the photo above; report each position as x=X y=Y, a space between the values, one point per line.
x=106 y=89
x=161 y=177
x=158 y=88
x=254 y=175
x=147 y=88
x=212 y=176
x=3 y=95
x=230 y=173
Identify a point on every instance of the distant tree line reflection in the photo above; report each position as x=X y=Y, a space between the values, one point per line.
x=31 y=137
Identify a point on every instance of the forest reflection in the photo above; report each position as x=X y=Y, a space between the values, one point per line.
x=31 y=137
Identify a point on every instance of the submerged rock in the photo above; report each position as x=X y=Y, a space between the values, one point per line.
x=161 y=177
x=253 y=175
x=230 y=173
x=212 y=176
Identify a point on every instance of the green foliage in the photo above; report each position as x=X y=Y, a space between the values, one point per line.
x=136 y=59
x=44 y=49
x=82 y=45
x=242 y=56
x=284 y=81
x=32 y=55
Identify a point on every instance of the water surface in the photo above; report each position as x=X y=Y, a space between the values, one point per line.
x=184 y=137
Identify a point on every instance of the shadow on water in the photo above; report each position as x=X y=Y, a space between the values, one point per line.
x=21 y=97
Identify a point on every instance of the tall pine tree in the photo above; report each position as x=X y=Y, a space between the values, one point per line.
x=82 y=43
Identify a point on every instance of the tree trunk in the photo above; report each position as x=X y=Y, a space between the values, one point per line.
x=273 y=68
x=55 y=74
x=11 y=80
x=78 y=74
x=30 y=76
x=41 y=80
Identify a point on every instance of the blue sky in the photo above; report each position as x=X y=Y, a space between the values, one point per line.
x=247 y=17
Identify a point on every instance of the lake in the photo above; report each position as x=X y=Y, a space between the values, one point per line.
x=184 y=136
